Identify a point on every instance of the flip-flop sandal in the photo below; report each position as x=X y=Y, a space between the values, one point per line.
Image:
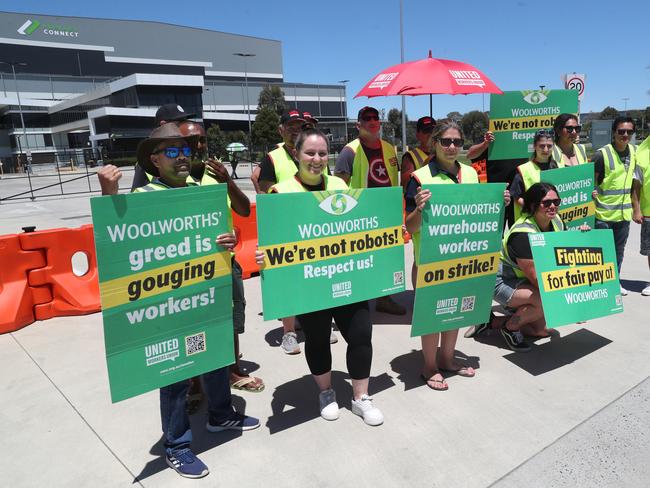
x=464 y=371
x=248 y=383
x=444 y=386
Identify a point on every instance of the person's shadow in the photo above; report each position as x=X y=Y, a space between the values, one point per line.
x=296 y=401
x=408 y=367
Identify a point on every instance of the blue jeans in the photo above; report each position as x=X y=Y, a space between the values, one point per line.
x=176 y=422
x=621 y=230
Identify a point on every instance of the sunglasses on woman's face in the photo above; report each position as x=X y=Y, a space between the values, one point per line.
x=572 y=128
x=173 y=152
x=623 y=132
x=448 y=141
x=551 y=201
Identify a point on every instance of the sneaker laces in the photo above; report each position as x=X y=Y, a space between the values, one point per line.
x=183 y=457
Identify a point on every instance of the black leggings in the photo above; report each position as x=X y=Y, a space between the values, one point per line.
x=354 y=323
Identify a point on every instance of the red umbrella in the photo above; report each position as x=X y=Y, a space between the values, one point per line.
x=429 y=76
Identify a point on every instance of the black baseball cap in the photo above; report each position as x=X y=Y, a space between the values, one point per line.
x=365 y=110
x=425 y=124
x=171 y=112
x=290 y=115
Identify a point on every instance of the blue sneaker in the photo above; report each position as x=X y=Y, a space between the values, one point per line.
x=237 y=421
x=185 y=463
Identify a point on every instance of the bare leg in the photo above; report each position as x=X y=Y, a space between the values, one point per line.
x=324 y=381
x=289 y=324
x=447 y=349
x=236 y=374
x=430 y=353
x=359 y=388
x=414 y=275
x=528 y=303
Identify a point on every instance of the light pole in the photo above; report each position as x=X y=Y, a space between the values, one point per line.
x=625 y=99
x=20 y=111
x=345 y=90
x=248 y=105
x=401 y=43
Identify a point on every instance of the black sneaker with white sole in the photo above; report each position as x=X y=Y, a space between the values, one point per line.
x=515 y=340
x=477 y=330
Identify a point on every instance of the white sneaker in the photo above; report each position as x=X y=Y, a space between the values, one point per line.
x=364 y=408
x=624 y=292
x=290 y=343
x=329 y=409
x=646 y=291
x=333 y=338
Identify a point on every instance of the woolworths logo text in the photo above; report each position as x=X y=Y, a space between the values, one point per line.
x=49 y=29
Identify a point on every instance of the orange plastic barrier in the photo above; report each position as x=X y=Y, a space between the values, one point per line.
x=17 y=298
x=246 y=229
x=71 y=294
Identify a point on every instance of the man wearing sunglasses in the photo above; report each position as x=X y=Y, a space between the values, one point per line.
x=370 y=162
x=614 y=167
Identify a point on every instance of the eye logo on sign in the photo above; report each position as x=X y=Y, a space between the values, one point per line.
x=535 y=97
x=28 y=27
x=338 y=204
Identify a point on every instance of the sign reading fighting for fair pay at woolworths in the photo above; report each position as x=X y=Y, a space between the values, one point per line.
x=459 y=256
x=329 y=248
x=515 y=116
x=577 y=275
x=165 y=285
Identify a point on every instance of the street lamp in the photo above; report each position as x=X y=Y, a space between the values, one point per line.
x=13 y=65
x=248 y=105
x=345 y=90
x=625 y=99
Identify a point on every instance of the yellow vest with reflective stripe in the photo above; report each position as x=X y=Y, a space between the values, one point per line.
x=614 y=202
x=526 y=223
x=360 y=167
x=284 y=166
x=643 y=175
x=561 y=159
x=466 y=174
x=419 y=157
x=530 y=174
x=292 y=185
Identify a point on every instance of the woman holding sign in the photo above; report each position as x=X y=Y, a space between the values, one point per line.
x=443 y=168
x=353 y=320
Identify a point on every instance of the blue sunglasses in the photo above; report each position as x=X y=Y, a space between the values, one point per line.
x=173 y=152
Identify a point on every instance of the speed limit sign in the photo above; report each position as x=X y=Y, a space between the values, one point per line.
x=575 y=82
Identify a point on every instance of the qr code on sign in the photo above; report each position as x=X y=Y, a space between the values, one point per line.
x=467 y=304
x=195 y=344
x=398 y=278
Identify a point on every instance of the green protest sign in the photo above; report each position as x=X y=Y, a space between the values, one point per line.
x=459 y=256
x=329 y=248
x=577 y=275
x=515 y=116
x=165 y=286
x=575 y=185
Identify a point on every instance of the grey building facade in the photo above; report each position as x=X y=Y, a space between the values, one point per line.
x=85 y=83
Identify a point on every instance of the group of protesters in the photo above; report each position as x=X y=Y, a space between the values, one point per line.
x=175 y=156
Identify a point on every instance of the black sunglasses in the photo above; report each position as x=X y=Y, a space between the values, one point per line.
x=448 y=141
x=552 y=201
x=573 y=128
x=622 y=132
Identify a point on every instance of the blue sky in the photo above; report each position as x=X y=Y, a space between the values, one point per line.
x=519 y=44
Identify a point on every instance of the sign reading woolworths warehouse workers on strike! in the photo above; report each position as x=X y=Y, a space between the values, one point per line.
x=165 y=286
x=515 y=116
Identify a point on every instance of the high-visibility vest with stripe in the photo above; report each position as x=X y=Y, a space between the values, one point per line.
x=360 y=166
x=561 y=159
x=466 y=174
x=419 y=157
x=530 y=174
x=642 y=175
x=526 y=224
x=614 y=202
x=293 y=185
x=283 y=164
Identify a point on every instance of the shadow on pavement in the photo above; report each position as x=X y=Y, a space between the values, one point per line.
x=202 y=439
x=408 y=367
x=296 y=402
x=558 y=352
x=405 y=299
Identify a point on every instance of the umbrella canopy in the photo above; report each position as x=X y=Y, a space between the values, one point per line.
x=429 y=76
x=236 y=147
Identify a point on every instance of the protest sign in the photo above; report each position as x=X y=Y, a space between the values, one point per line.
x=577 y=275
x=515 y=116
x=165 y=285
x=329 y=248
x=574 y=185
x=459 y=256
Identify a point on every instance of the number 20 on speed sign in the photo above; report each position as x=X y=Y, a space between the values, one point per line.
x=575 y=82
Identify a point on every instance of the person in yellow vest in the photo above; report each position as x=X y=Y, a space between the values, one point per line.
x=443 y=168
x=418 y=156
x=614 y=167
x=530 y=173
x=165 y=154
x=567 y=151
x=641 y=200
x=370 y=162
x=353 y=320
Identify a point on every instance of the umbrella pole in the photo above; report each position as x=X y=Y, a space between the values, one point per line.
x=430 y=105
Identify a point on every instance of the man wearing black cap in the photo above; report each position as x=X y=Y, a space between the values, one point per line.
x=417 y=157
x=370 y=162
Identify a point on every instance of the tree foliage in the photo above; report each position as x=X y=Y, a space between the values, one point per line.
x=455 y=116
x=265 y=129
x=272 y=96
x=218 y=140
x=475 y=125
x=609 y=113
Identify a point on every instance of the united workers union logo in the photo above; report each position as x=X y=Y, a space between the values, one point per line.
x=535 y=97
x=338 y=204
x=31 y=26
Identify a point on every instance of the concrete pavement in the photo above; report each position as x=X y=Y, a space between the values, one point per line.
x=572 y=412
